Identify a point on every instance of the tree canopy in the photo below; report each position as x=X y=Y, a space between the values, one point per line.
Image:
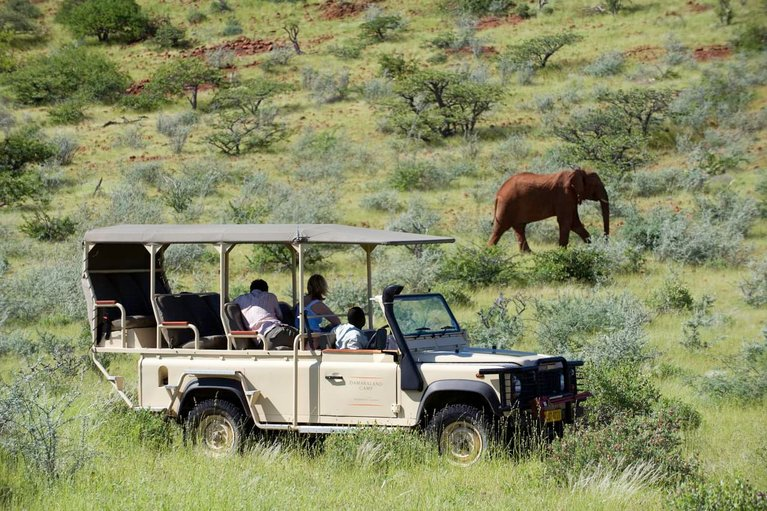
x=104 y=19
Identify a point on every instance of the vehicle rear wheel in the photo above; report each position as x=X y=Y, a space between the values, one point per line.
x=461 y=432
x=217 y=426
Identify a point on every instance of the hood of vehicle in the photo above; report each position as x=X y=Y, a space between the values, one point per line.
x=478 y=356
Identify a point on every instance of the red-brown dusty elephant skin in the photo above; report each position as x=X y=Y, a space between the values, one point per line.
x=528 y=197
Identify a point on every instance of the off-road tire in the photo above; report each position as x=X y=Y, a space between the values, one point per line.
x=216 y=426
x=461 y=432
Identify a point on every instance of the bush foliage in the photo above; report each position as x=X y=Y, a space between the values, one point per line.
x=71 y=71
x=104 y=19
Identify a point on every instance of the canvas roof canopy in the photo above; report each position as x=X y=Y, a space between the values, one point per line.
x=256 y=233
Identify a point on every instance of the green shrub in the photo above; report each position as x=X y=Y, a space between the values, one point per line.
x=745 y=377
x=627 y=441
x=621 y=389
x=67 y=112
x=604 y=329
x=129 y=136
x=349 y=50
x=724 y=11
x=722 y=495
x=196 y=16
x=673 y=295
x=278 y=57
x=149 y=173
x=477 y=7
x=65 y=73
x=325 y=87
x=480 y=266
x=167 y=35
x=417 y=175
x=220 y=58
x=761 y=190
x=649 y=184
x=66 y=146
x=182 y=76
x=754 y=286
x=523 y=11
x=232 y=27
x=177 y=129
x=701 y=317
x=21 y=148
x=219 y=6
x=104 y=19
x=43 y=227
x=497 y=326
x=141 y=427
x=752 y=37
x=607 y=64
x=196 y=180
x=575 y=263
x=383 y=200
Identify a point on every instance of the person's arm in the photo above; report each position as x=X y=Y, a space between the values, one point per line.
x=357 y=340
x=275 y=306
x=320 y=309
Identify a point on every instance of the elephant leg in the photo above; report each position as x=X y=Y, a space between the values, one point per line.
x=519 y=230
x=581 y=231
x=564 y=233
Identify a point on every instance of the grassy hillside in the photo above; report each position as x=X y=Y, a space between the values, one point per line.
x=680 y=288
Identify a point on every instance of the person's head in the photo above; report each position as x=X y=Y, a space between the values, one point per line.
x=317 y=287
x=259 y=284
x=356 y=316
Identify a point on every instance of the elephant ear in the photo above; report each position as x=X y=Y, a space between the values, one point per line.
x=577 y=181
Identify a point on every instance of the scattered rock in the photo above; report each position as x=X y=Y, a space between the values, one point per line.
x=495 y=21
x=714 y=51
x=338 y=9
x=644 y=53
x=696 y=7
x=241 y=46
x=136 y=87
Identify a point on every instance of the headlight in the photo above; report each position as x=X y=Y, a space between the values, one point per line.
x=516 y=384
x=562 y=381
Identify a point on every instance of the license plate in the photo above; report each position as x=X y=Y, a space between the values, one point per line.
x=552 y=415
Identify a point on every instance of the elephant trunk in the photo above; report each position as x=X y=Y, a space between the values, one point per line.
x=605 y=203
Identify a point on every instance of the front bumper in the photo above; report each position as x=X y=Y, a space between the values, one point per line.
x=564 y=408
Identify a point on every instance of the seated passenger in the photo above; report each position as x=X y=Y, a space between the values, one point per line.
x=262 y=314
x=349 y=336
x=315 y=309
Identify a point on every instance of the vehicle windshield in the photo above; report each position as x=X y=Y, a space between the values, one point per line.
x=421 y=315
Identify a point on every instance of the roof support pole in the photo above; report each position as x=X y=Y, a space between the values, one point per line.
x=369 y=250
x=152 y=248
x=294 y=259
x=298 y=245
x=223 y=282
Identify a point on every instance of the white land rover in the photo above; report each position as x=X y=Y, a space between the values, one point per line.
x=200 y=365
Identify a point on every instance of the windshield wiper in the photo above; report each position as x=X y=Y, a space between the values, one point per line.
x=445 y=329
x=421 y=330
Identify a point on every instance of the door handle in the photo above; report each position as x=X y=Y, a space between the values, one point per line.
x=334 y=377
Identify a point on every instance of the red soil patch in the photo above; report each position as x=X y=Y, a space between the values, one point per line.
x=644 y=53
x=320 y=39
x=715 y=51
x=136 y=87
x=696 y=7
x=495 y=21
x=485 y=50
x=240 y=46
x=337 y=9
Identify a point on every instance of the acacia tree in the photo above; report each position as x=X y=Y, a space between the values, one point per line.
x=644 y=107
x=538 y=50
x=104 y=18
x=245 y=122
x=184 y=76
x=442 y=103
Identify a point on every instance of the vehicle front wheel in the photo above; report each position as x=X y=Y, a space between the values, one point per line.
x=217 y=426
x=461 y=432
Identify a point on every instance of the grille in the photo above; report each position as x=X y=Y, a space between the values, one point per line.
x=540 y=383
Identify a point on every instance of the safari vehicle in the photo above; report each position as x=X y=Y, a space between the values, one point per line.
x=198 y=364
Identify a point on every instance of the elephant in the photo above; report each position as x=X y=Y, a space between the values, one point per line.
x=528 y=197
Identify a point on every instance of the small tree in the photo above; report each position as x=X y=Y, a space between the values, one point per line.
x=183 y=76
x=167 y=35
x=539 y=50
x=379 y=25
x=20 y=148
x=291 y=28
x=724 y=11
x=104 y=18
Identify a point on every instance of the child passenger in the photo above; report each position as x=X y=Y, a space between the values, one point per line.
x=349 y=335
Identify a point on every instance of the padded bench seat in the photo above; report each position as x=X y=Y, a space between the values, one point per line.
x=131 y=290
x=198 y=309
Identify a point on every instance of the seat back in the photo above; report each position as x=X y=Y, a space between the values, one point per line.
x=233 y=317
x=130 y=289
x=200 y=310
